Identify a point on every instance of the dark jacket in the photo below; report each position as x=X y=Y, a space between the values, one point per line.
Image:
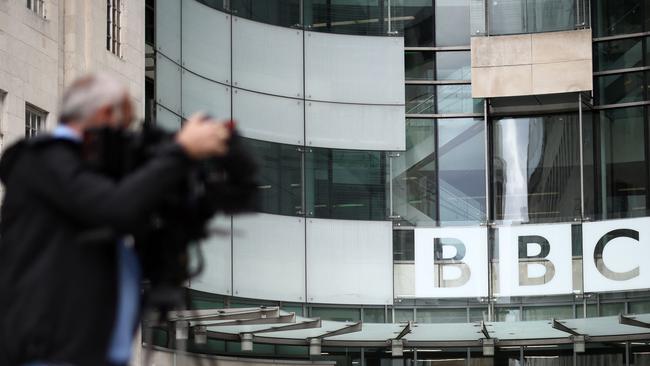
x=57 y=292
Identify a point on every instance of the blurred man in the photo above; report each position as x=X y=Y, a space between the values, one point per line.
x=64 y=301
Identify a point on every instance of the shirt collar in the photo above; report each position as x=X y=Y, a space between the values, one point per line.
x=65 y=133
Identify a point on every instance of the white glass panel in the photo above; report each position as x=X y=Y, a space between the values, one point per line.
x=168 y=84
x=200 y=94
x=206 y=41
x=216 y=275
x=267 y=58
x=167 y=120
x=616 y=255
x=354 y=69
x=168 y=29
x=269 y=257
x=451 y=262
x=349 y=261
x=535 y=260
x=269 y=118
x=355 y=126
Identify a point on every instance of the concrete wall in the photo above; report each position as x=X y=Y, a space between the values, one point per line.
x=531 y=64
x=40 y=56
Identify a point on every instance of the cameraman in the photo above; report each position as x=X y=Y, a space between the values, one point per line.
x=65 y=301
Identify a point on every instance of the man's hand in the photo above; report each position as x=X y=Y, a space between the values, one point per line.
x=203 y=138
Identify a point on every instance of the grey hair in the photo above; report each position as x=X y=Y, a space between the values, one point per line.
x=88 y=94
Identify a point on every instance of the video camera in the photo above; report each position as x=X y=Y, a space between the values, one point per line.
x=177 y=225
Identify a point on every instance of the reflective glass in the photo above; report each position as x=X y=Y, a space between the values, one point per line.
x=592 y=311
x=621 y=169
x=216 y=4
x=403 y=245
x=418 y=65
x=420 y=99
x=619 y=54
x=508 y=314
x=639 y=307
x=461 y=171
x=478 y=314
x=346 y=184
x=363 y=17
x=620 y=88
x=414 y=20
x=414 y=175
x=548 y=312
x=612 y=309
x=610 y=354
x=284 y=13
x=452 y=23
x=453 y=66
x=550 y=15
x=279 y=177
x=456 y=99
x=374 y=315
x=613 y=17
x=403 y=315
x=441 y=315
x=337 y=314
x=531 y=16
x=536 y=172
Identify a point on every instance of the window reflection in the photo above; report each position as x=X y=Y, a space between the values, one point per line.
x=621 y=88
x=536 y=169
x=346 y=184
x=363 y=17
x=279 y=177
x=453 y=66
x=620 y=150
x=531 y=16
x=613 y=17
x=619 y=54
x=452 y=23
x=284 y=13
x=418 y=65
x=441 y=176
x=414 y=20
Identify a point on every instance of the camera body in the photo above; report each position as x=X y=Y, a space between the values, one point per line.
x=180 y=221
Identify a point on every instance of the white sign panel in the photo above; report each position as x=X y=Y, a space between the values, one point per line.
x=535 y=260
x=616 y=255
x=451 y=262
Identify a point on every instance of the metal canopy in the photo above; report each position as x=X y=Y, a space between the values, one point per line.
x=273 y=326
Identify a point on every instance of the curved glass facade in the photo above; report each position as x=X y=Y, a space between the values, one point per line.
x=555 y=163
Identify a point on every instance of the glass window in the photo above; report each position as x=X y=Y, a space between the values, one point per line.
x=507 y=17
x=478 y=314
x=461 y=171
x=418 y=65
x=613 y=17
x=619 y=54
x=414 y=20
x=337 y=314
x=346 y=184
x=452 y=23
x=279 y=177
x=420 y=99
x=414 y=175
x=285 y=13
x=363 y=17
x=457 y=99
x=536 y=173
x=612 y=309
x=113 y=26
x=592 y=311
x=550 y=15
x=508 y=314
x=294 y=308
x=34 y=120
x=37 y=6
x=639 y=307
x=548 y=312
x=441 y=315
x=621 y=171
x=403 y=245
x=453 y=66
x=403 y=315
x=219 y=4
x=621 y=88
x=374 y=315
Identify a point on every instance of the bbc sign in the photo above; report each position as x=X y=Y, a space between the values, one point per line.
x=532 y=259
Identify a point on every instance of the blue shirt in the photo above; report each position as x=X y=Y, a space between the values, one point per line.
x=128 y=297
